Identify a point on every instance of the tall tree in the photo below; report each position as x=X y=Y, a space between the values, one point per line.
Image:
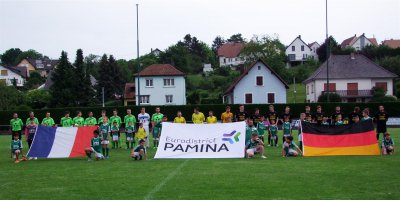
x=236 y=38
x=10 y=56
x=83 y=87
x=105 y=79
x=217 y=43
x=117 y=78
x=30 y=54
x=334 y=48
x=34 y=80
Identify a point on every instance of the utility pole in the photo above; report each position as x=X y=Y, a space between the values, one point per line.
x=138 y=60
x=327 y=41
x=102 y=94
x=294 y=89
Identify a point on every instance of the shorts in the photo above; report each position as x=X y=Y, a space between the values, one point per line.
x=115 y=137
x=98 y=154
x=15 y=152
x=252 y=151
x=155 y=135
x=291 y=152
x=273 y=137
x=300 y=137
x=381 y=129
x=286 y=136
x=129 y=138
x=135 y=154
x=105 y=142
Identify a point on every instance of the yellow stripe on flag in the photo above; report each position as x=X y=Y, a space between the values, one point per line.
x=342 y=151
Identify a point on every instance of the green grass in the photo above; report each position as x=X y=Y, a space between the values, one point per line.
x=300 y=93
x=352 y=177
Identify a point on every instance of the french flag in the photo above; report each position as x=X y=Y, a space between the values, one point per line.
x=61 y=142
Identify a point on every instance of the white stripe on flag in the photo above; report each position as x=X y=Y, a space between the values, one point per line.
x=63 y=142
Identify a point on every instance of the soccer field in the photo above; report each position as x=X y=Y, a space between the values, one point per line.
x=352 y=177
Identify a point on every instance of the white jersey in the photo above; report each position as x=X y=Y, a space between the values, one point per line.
x=144 y=119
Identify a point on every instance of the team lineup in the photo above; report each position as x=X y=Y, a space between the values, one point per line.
x=139 y=130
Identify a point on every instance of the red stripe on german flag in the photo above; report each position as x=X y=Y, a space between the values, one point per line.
x=355 y=139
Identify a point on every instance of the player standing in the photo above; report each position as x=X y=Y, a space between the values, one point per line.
x=130 y=121
x=48 y=121
x=144 y=118
x=78 y=120
x=90 y=121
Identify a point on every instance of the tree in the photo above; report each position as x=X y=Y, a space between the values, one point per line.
x=117 y=78
x=83 y=86
x=34 y=80
x=11 y=98
x=10 y=56
x=109 y=74
x=333 y=97
x=30 y=54
x=63 y=89
x=334 y=48
x=217 y=43
x=236 y=38
x=38 y=99
x=391 y=63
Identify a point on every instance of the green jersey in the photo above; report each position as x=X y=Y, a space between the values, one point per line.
x=157 y=128
x=260 y=128
x=273 y=129
x=96 y=144
x=129 y=131
x=286 y=128
x=157 y=117
x=114 y=130
x=66 y=122
x=365 y=118
x=253 y=144
x=249 y=131
x=48 y=121
x=16 y=124
x=325 y=123
x=115 y=119
x=287 y=146
x=90 y=121
x=104 y=130
x=339 y=123
x=101 y=120
x=79 y=121
x=16 y=145
x=129 y=118
x=28 y=121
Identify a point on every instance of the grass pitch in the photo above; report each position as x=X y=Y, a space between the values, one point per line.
x=351 y=177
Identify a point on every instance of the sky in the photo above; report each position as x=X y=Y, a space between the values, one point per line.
x=109 y=26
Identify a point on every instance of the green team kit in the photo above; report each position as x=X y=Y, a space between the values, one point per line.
x=90 y=121
x=286 y=129
x=96 y=144
x=78 y=121
x=261 y=130
x=129 y=118
x=249 y=131
x=16 y=124
x=66 y=122
x=28 y=121
x=48 y=121
x=115 y=119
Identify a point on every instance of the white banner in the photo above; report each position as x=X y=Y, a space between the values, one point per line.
x=202 y=140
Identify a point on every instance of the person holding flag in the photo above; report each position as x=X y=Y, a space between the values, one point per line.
x=32 y=116
x=179 y=118
x=197 y=116
x=95 y=147
x=156 y=120
x=90 y=120
x=48 y=121
x=66 y=121
x=241 y=115
x=211 y=119
x=16 y=126
x=103 y=116
x=78 y=120
x=144 y=118
x=130 y=121
x=227 y=116
x=116 y=118
x=381 y=118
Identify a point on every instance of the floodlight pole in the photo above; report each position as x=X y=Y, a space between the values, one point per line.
x=327 y=42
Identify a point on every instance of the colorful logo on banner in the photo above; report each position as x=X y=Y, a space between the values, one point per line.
x=228 y=137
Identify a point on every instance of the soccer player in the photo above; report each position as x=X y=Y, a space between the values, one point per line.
x=286 y=114
x=139 y=153
x=78 y=120
x=227 y=116
x=16 y=148
x=261 y=128
x=90 y=121
x=250 y=129
x=129 y=118
x=103 y=115
x=95 y=147
x=308 y=113
x=300 y=136
x=339 y=121
x=354 y=114
x=257 y=116
x=211 y=119
x=271 y=115
x=179 y=118
x=16 y=126
x=114 y=133
x=141 y=133
x=365 y=114
x=116 y=118
x=335 y=115
x=241 y=115
x=156 y=119
x=66 y=121
x=381 y=118
x=157 y=131
x=32 y=116
x=254 y=146
x=144 y=118
x=325 y=121
x=197 y=116
x=105 y=130
x=289 y=148
x=273 y=130
x=48 y=121
x=30 y=131
x=387 y=145
x=319 y=115
x=287 y=129
x=129 y=131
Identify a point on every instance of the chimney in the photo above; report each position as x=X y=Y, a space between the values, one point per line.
x=352 y=56
x=299 y=36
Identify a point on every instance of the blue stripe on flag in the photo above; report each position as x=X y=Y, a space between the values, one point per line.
x=43 y=142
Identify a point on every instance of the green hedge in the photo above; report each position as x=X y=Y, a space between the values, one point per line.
x=393 y=109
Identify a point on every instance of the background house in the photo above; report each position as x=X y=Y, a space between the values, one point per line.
x=297 y=52
x=42 y=66
x=259 y=84
x=392 y=43
x=314 y=46
x=129 y=94
x=350 y=76
x=229 y=54
x=9 y=74
x=161 y=84
x=358 y=43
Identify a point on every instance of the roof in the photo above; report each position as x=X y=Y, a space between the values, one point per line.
x=392 y=43
x=298 y=37
x=160 y=70
x=233 y=85
x=128 y=92
x=311 y=44
x=344 y=67
x=42 y=64
x=18 y=70
x=230 y=49
x=373 y=41
x=348 y=41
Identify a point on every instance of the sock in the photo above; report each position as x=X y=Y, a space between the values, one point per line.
x=132 y=143
x=116 y=144
x=154 y=143
x=89 y=155
x=269 y=139
x=127 y=144
x=140 y=157
x=107 y=151
x=103 y=150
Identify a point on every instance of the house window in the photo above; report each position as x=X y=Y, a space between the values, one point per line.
x=145 y=99
x=308 y=89
x=224 y=60
x=4 y=72
x=249 y=98
x=271 y=97
x=292 y=57
x=332 y=87
x=382 y=85
x=169 y=82
x=312 y=88
x=259 y=81
x=302 y=47
x=168 y=99
x=149 y=82
x=293 y=48
x=259 y=67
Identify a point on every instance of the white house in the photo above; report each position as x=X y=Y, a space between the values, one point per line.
x=297 y=52
x=313 y=54
x=207 y=68
x=350 y=76
x=9 y=74
x=229 y=54
x=259 y=84
x=358 y=43
x=160 y=84
x=156 y=52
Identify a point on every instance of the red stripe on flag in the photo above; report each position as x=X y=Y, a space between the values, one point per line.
x=342 y=140
x=82 y=140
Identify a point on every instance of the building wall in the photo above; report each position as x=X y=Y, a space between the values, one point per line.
x=158 y=92
x=223 y=61
x=297 y=43
x=8 y=79
x=313 y=52
x=360 y=43
x=271 y=84
x=28 y=65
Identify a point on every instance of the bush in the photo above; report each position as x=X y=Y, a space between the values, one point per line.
x=333 y=97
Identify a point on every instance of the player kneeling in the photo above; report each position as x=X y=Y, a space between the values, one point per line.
x=16 y=149
x=95 y=147
x=254 y=146
x=387 y=145
x=139 y=152
x=289 y=148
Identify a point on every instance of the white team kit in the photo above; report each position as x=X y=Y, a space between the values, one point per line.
x=145 y=120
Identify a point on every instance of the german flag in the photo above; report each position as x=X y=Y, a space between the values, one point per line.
x=354 y=139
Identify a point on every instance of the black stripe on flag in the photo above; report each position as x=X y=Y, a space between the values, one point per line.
x=359 y=127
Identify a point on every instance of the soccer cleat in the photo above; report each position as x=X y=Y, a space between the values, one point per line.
x=89 y=159
x=17 y=161
x=35 y=158
x=263 y=157
x=30 y=158
x=269 y=145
